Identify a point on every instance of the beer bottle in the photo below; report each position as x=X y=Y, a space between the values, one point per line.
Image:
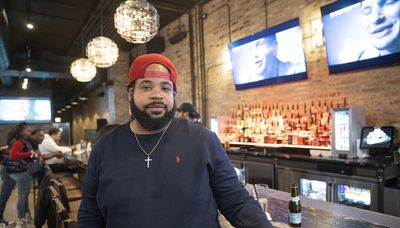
x=294 y=207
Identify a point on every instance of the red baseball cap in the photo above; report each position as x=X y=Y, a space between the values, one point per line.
x=138 y=67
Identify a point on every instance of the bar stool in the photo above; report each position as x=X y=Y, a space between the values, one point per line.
x=73 y=213
x=67 y=196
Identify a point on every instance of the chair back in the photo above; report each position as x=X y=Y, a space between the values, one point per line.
x=60 y=188
x=54 y=193
x=69 y=223
x=60 y=212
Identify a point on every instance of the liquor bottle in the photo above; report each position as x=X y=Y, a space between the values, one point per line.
x=294 y=207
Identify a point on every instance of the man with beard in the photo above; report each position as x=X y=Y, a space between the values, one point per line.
x=35 y=139
x=161 y=171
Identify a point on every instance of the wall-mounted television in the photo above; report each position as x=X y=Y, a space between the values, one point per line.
x=360 y=34
x=29 y=109
x=274 y=55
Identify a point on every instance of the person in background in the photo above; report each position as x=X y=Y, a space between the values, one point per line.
x=7 y=186
x=381 y=20
x=21 y=149
x=35 y=139
x=187 y=111
x=158 y=166
x=105 y=129
x=7 y=183
x=52 y=153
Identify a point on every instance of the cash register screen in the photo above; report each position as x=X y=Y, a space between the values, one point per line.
x=377 y=137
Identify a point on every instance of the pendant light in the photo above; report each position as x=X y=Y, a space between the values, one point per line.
x=137 y=21
x=102 y=51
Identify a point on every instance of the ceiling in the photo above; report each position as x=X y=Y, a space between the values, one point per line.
x=61 y=27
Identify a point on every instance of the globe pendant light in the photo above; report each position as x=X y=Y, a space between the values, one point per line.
x=83 y=70
x=102 y=51
x=137 y=21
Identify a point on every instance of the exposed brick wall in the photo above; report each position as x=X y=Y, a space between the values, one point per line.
x=179 y=53
x=86 y=115
x=118 y=96
x=113 y=106
x=374 y=90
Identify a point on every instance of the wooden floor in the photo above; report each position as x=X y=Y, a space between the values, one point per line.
x=10 y=214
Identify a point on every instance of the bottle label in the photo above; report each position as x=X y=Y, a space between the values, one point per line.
x=295 y=218
x=295 y=199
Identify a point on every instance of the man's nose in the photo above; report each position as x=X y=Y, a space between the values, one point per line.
x=156 y=93
x=377 y=15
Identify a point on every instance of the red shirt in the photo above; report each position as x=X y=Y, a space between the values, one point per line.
x=17 y=151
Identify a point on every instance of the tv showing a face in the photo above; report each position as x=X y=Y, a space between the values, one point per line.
x=271 y=56
x=361 y=34
x=32 y=110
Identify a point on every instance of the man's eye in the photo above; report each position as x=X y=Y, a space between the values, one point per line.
x=366 y=10
x=145 y=87
x=167 y=88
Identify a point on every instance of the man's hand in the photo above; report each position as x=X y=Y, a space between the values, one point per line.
x=34 y=154
x=58 y=154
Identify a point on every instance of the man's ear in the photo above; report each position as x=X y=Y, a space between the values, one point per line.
x=130 y=93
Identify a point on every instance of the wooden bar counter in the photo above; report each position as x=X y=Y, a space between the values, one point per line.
x=316 y=213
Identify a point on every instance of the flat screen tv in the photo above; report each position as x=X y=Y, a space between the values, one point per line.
x=274 y=55
x=360 y=34
x=377 y=138
x=29 y=109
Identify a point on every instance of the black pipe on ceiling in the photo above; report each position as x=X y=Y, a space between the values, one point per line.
x=204 y=71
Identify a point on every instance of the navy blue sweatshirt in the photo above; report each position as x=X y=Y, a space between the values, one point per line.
x=190 y=177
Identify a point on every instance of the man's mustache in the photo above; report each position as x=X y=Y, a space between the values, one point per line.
x=155 y=103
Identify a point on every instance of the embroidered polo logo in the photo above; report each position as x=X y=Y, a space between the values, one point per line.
x=178 y=159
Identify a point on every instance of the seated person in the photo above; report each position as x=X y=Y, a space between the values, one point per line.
x=53 y=152
x=105 y=129
x=188 y=111
x=36 y=138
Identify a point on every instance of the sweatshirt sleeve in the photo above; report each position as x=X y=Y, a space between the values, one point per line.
x=234 y=202
x=17 y=153
x=89 y=215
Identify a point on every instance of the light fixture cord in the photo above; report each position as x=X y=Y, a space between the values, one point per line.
x=101 y=25
x=83 y=54
x=28 y=55
x=28 y=11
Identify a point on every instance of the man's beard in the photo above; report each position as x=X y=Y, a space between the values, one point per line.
x=147 y=121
